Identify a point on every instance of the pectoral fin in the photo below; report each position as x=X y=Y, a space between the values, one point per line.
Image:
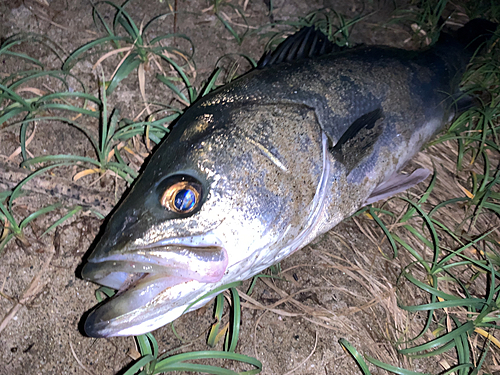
x=357 y=142
x=396 y=183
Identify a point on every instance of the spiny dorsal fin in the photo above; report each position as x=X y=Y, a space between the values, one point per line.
x=358 y=139
x=307 y=42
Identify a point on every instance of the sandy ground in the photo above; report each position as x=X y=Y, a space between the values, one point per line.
x=341 y=286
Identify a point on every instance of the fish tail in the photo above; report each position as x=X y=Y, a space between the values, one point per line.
x=457 y=48
x=474 y=34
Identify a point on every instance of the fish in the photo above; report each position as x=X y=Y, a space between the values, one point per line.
x=258 y=168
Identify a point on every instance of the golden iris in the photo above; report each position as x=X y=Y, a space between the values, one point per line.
x=181 y=197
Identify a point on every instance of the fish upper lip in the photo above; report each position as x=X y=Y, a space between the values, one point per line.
x=204 y=264
x=147 y=252
x=199 y=242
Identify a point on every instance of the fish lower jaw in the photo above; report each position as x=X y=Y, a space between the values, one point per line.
x=150 y=325
x=116 y=317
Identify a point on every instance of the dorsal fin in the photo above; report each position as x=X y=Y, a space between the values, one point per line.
x=307 y=42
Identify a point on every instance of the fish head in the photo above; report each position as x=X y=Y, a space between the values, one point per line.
x=221 y=199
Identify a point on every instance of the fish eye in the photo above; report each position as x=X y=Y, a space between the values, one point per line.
x=181 y=196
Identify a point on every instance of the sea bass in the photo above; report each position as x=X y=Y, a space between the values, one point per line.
x=260 y=167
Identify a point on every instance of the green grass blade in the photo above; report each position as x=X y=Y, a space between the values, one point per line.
x=71 y=60
x=70 y=122
x=108 y=292
x=14 y=96
x=5 y=241
x=71 y=108
x=22 y=56
x=66 y=159
x=123 y=170
x=211 y=83
x=97 y=15
x=474 y=302
x=168 y=364
x=57 y=74
x=459 y=252
x=146 y=349
x=198 y=369
x=154 y=344
x=130 y=63
x=214 y=331
x=9 y=114
x=213 y=293
x=386 y=232
x=113 y=122
x=422 y=238
x=445 y=339
x=355 y=355
x=123 y=18
x=229 y=28
x=415 y=254
x=171 y=86
x=411 y=211
x=459 y=369
x=142 y=362
x=393 y=369
x=18 y=189
x=70 y=95
x=14 y=228
x=235 y=330
x=431 y=290
x=38 y=213
x=5 y=194
x=72 y=212
x=180 y=71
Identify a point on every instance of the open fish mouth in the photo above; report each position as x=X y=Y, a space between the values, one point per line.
x=145 y=277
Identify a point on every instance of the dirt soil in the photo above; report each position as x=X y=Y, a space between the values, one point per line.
x=339 y=287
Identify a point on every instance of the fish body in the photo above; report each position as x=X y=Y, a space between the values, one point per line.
x=260 y=167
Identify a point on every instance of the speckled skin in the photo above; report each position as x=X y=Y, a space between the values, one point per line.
x=262 y=148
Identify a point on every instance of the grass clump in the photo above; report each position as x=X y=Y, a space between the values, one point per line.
x=218 y=6
x=14 y=229
x=425 y=18
x=132 y=45
x=113 y=137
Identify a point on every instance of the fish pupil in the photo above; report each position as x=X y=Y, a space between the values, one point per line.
x=185 y=200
